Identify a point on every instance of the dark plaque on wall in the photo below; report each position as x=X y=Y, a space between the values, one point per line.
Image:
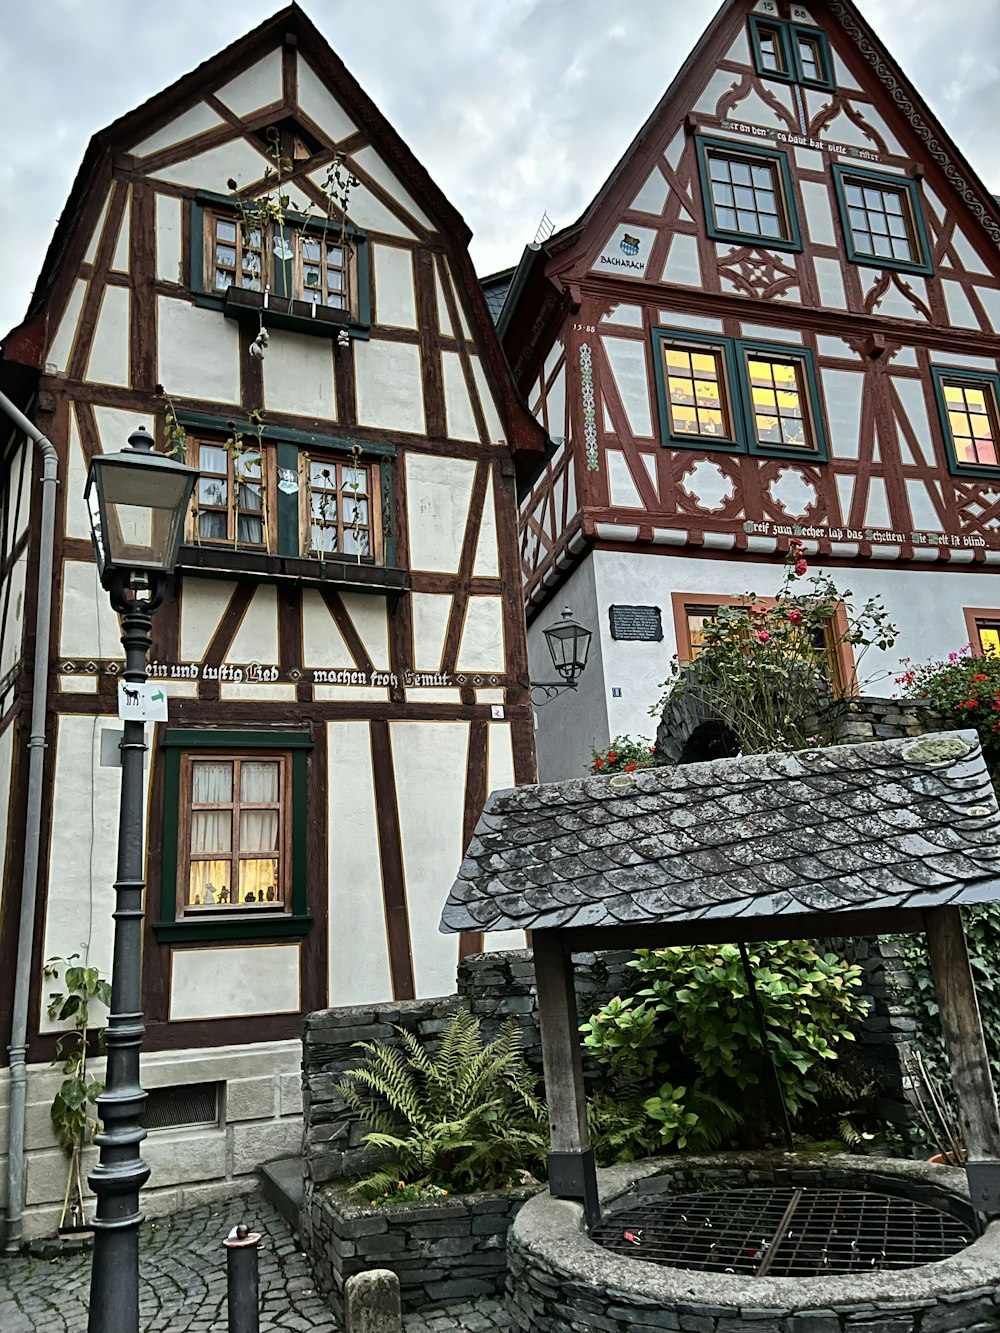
x=636 y=622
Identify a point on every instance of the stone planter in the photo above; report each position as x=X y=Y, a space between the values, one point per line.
x=441 y=1250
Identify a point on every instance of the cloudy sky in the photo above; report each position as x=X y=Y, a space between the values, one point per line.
x=515 y=106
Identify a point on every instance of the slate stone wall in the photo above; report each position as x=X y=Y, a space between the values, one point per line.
x=450 y=1249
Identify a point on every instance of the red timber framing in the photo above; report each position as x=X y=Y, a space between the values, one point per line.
x=579 y=326
x=116 y=196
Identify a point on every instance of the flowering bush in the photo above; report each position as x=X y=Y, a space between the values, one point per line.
x=625 y=754
x=965 y=687
x=763 y=670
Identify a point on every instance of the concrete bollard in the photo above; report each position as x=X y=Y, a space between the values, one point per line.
x=372 y=1302
x=242 y=1280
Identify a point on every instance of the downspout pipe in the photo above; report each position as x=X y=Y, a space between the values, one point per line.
x=14 y=1230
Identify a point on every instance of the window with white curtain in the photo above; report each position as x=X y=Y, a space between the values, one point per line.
x=233 y=833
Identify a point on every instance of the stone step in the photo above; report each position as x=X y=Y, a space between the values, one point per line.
x=281 y=1184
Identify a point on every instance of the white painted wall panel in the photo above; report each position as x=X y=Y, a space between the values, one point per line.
x=319 y=104
x=77 y=520
x=444 y=318
x=843 y=390
x=12 y=642
x=322 y=642
x=212 y=169
x=18 y=506
x=430 y=760
x=82 y=868
x=555 y=404
x=169 y=234
x=494 y=427
x=389 y=388
x=196 y=120
x=299 y=375
x=6 y=791
x=959 y=310
x=911 y=395
x=199 y=352
x=430 y=612
x=395 y=297
x=90 y=254
x=88 y=626
x=438 y=491
x=370 y=214
x=831 y=283
x=216 y=983
x=486 y=563
x=968 y=256
x=652 y=197
x=358 y=947
x=120 y=259
x=115 y=425
x=203 y=604
x=627 y=358
x=461 y=423
x=258 y=86
x=109 y=360
x=61 y=346
x=370 y=618
x=482 y=646
x=683 y=265
x=819 y=217
x=499 y=757
x=622 y=487
x=256 y=640
x=373 y=165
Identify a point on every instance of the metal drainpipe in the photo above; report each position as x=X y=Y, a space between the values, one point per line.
x=32 y=829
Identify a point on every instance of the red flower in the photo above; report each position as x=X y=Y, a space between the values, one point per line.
x=612 y=756
x=598 y=762
x=972 y=703
x=763 y=636
x=795 y=616
x=800 y=567
x=630 y=768
x=794 y=542
x=979 y=677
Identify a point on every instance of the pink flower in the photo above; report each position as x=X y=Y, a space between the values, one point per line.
x=795 y=617
x=763 y=636
x=800 y=567
x=953 y=657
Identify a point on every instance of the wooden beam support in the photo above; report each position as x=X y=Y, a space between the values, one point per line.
x=572 y=1174
x=965 y=1043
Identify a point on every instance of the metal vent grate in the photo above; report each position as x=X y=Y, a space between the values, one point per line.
x=785 y=1232
x=185 y=1104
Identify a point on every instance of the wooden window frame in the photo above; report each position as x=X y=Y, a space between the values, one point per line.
x=734 y=353
x=187 y=810
x=984 y=379
x=777 y=161
x=341 y=459
x=905 y=186
x=192 y=537
x=788 y=36
x=839 y=651
x=974 y=618
x=232 y=924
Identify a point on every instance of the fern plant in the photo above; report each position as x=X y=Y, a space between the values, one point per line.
x=466 y=1118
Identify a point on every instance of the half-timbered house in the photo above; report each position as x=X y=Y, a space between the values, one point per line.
x=345 y=672
x=779 y=317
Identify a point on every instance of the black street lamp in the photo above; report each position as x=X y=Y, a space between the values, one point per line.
x=137 y=501
x=569 y=644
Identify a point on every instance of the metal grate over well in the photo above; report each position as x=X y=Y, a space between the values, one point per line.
x=784 y=1232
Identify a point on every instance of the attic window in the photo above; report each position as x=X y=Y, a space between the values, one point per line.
x=791 y=52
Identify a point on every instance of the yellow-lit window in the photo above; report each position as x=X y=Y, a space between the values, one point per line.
x=988 y=634
x=779 y=402
x=233 y=833
x=697 y=397
x=972 y=421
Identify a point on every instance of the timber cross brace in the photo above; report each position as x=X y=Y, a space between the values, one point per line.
x=889 y=837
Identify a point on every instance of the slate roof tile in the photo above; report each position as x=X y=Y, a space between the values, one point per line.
x=891 y=823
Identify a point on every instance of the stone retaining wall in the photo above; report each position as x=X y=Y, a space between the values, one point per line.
x=559 y=1280
x=449 y=1249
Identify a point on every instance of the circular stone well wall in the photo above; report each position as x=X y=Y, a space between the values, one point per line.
x=559 y=1279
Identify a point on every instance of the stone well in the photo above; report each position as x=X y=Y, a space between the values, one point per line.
x=559 y=1279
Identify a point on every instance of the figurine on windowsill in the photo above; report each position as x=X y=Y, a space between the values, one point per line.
x=209 y=894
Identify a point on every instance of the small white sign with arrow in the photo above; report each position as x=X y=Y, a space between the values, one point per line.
x=144 y=701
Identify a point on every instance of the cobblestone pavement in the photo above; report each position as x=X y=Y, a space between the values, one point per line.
x=183 y=1276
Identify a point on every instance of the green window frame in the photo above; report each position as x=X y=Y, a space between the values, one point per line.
x=881 y=184
x=951 y=413
x=742 y=410
x=284 y=309
x=740 y=183
x=773 y=38
x=172 y=925
x=290 y=445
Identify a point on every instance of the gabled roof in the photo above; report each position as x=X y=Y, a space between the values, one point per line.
x=889 y=824
x=676 y=102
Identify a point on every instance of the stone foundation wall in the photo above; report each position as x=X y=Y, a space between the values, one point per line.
x=448 y=1249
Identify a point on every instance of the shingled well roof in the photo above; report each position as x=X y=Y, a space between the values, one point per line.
x=902 y=823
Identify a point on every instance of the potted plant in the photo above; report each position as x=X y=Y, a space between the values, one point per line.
x=73 y=1111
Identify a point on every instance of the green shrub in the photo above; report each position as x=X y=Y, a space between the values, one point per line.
x=466 y=1118
x=966 y=689
x=693 y=1020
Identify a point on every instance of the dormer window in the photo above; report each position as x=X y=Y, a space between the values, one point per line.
x=791 y=52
